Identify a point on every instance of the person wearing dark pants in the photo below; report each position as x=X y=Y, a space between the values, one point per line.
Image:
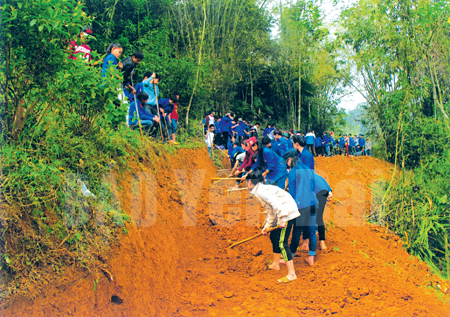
x=306 y=223
x=280 y=241
x=301 y=188
x=322 y=197
x=323 y=193
x=282 y=212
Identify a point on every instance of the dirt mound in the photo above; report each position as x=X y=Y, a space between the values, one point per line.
x=173 y=261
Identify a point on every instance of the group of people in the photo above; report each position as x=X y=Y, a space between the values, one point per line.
x=279 y=172
x=226 y=131
x=329 y=145
x=293 y=195
x=146 y=109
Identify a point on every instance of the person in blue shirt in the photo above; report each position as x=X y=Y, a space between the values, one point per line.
x=325 y=144
x=147 y=119
x=304 y=154
x=309 y=137
x=140 y=85
x=342 y=144
x=301 y=187
x=272 y=128
x=318 y=145
x=362 y=143
x=166 y=106
x=266 y=142
x=267 y=131
x=288 y=139
x=218 y=130
x=230 y=147
x=150 y=84
x=237 y=149
x=269 y=163
x=240 y=129
x=112 y=58
x=323 y=193
x=233 y=128
x=225 y=125
x=280 y=146
x=351 y=144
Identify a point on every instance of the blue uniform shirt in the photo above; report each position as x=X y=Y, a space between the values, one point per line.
x=309 y=139
x=139 y=87
x=318 y=141
x=236 y=150
x=290 y=144
x=266 y=132
x=165 y=104
x=321 y=184
x=240 y=129
x=109 y=60
x=272 y=162
x=150 y=89
x=362 y=142
x=280 y=147
x=302 y=186
x=306 y=158
x=230 y=149
x=225 y=124
x=143 y=115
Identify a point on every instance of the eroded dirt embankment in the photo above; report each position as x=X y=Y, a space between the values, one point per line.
x=173 y=261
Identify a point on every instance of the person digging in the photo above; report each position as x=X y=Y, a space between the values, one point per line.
x=281 y=211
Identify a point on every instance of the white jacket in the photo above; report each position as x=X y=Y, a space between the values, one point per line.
x=279 y=204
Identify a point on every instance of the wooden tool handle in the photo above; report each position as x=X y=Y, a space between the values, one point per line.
x=251 y=238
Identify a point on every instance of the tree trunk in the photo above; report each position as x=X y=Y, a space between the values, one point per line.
x=299 y=90
x=198 y=68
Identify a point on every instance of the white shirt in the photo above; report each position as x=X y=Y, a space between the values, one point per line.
x=240 y=157
x=209 y=138
x=210 y=120
x=279 y=204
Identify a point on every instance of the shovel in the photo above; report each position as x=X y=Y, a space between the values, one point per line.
x=251 y=238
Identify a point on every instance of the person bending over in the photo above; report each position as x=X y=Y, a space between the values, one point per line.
x=147 y=119
x=270 y=163
x=301 y=187
x=281 y=211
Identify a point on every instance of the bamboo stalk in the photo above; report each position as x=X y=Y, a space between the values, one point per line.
x=447 y=255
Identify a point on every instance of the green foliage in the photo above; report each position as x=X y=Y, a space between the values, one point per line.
x=418 y=210
x=400 y=50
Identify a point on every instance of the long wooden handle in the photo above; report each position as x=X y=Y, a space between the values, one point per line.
x=157 y=109
x=251 y=238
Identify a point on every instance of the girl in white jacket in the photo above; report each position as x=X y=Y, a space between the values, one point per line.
x=281 y=211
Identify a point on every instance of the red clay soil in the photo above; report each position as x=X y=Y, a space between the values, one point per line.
x=174 y=265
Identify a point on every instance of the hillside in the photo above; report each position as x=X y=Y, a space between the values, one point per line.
x=163 y=268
